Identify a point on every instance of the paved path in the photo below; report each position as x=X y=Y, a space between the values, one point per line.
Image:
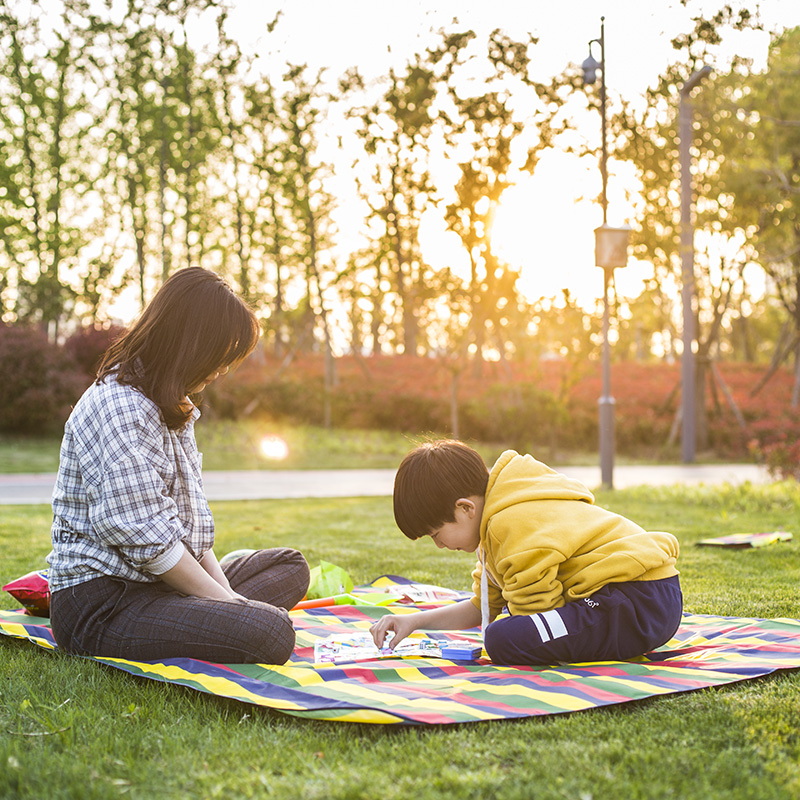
x=277 y=484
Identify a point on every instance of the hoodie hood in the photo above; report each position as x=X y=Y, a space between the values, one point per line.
x=522 y=478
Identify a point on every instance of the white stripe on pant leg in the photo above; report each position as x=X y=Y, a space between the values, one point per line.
x=555 y=623
x=545 y=636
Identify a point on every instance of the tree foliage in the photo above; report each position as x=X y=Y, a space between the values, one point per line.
x=760 y=174
x=487 y=130
x=46 y=175
x=396 y=126
x=129 y=148
x=649 y=137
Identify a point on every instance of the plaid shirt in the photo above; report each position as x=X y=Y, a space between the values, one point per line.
x=129 y=495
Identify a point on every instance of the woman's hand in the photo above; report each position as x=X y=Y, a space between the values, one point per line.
x=210 y=564
x=190 y=577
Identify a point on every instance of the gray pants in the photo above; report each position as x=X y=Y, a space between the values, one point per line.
x=150 y=621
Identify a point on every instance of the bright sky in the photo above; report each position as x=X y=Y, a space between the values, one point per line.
x=376 y=33
x=546 y=225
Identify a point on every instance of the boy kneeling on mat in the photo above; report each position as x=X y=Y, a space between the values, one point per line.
x=580 y=583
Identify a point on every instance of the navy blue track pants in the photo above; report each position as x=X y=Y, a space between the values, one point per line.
x=618 y=622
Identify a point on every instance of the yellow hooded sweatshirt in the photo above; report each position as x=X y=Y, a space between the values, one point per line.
x=544 y=543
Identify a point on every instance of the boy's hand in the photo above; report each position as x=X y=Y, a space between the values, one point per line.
x=400 y=624
x=455 y=617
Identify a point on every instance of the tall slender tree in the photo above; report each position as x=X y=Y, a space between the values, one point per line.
x=760 y=175
x=47 y=125
x=487 y=128
x=272 y=226
x=397 y=129
x=648 y=137
x=312 y=205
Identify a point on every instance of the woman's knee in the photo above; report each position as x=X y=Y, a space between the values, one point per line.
x=278 y=576
x=287 y=559
x=276 y=643
x=302 y=570
x=294 y=572
x=301 y=573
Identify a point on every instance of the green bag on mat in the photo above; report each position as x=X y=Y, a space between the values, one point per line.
x=327 y=580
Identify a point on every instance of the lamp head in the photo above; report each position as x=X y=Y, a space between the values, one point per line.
x=611 y=246
x=590 y=67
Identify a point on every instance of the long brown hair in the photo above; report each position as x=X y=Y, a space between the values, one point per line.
x=193 y=327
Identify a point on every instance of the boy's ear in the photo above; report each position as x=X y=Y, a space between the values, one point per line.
x=467 y=505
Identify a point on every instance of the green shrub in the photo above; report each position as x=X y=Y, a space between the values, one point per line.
x=235 y=397
x=523 y=415
x=373 y=407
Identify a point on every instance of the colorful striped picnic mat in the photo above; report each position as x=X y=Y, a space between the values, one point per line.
x=706 y=651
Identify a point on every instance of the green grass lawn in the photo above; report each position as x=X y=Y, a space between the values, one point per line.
x=230 y=445
x=71 y=728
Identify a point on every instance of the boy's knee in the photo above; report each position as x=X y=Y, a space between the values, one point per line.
x=496 y=642
x=515 y=640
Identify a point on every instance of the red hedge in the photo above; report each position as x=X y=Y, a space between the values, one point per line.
x=537 y=404
x=39 y=381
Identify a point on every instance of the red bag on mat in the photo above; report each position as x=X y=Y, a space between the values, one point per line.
x=33 y=591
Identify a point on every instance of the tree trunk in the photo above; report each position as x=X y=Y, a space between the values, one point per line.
x=700 y=411
x=277 y=255
x=163 y=160
x=376 y=318
x=454 y=426
x=410 y=329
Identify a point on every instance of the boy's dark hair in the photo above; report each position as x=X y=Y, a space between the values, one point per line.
x=429 y=481
x=194 y=326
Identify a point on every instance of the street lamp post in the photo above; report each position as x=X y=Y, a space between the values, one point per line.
x=590 y=67
x=611 y=250
x=688 y=411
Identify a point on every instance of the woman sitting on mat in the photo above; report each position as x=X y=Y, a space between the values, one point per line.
x=132 y=571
